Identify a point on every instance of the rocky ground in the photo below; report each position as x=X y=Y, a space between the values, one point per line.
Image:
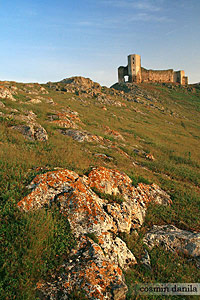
x=121 y=165
x=100 y=256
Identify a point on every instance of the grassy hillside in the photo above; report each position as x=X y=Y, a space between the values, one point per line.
x=153 y=137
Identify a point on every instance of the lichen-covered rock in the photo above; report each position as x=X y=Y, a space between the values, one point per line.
x=174 y=239
x=78 y=85
x=110 y=181
x=106 y=99
x=154 y=194
x=91 y=270
x=131 y=212
x=116 y=250
x=95 y=265
x=43 y=90
x=32 y=131
x=66 y=118
x=82 y=136
x=28 y=116
x=46 y=187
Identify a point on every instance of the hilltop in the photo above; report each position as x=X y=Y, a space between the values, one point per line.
x=99 y=187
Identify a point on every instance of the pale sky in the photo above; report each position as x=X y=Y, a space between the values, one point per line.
x=45 y=40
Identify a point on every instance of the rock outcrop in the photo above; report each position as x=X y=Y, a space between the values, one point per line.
x=66 y=118
x=5 y=93
x=78 y=85
x=85 y=87
x=31 y=130
x=33 y=89
x=174 y=239
x=95 y=219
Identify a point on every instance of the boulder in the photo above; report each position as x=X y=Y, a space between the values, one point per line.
x=97 y=262
x=131 y=212
x=174 y=239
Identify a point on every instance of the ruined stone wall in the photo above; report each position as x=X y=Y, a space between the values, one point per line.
x=157 y=75
x=122 y=71
x=137 y=74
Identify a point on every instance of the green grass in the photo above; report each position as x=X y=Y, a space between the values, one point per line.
x=93 y=237
x=173 y=139
x=138 y=179
x=110 y=197
x=33 y=245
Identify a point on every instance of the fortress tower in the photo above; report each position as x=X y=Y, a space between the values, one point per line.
x=138 y=74
x=134 y=68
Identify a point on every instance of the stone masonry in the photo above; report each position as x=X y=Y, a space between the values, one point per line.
x=138 y=74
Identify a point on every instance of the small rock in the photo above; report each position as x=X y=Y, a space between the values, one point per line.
x=35 y=101
x=150 y=157
x=32 y=131
x=6 y=94
x=113 y=133
x=146 y=261
x=66 y=118
x=82 y=136
x=103 y=156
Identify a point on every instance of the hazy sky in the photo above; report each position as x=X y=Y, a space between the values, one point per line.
x=48 y=40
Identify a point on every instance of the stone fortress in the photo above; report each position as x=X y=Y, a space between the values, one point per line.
x=138 y=74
